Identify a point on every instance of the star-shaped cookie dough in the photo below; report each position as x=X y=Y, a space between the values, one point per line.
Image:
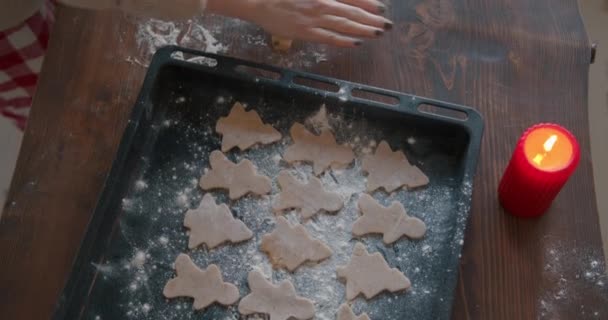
x=213 y=225
x=310 y=198
x=391 y=170
x=392 y=222
x=205 y=286
x=290 y=246
x=243 y=129
x=323 y=150
x=369 y=274
x=346 y=313
x=240 y=179
x=279 y=302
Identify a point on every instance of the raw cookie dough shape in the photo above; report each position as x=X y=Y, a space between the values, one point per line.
x=205 y=286
x=240 y=179
x=391 y=170
x=369 y=274
x=243 y=129
x=214 y=224
x=323 y=150
x=346 y=313
x=280 y=302
x=392 y=222
x=310 y=197
x=290 y=246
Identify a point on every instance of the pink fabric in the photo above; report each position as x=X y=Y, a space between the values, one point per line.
x=22 y=50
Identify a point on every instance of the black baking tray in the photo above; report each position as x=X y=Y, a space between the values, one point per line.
x=137 y=228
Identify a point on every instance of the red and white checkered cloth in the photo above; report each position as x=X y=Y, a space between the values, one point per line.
x=22 y=50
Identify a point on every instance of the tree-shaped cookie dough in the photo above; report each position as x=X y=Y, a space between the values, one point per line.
x=369 y=274
x=392 y=222
x=205 y=286
x=290 y=246
x=391 y=170
x=346 y=313
x=323 y=150
x=240 y=179
x=309 y=197
x=213 y=225
x=279 y=302
x=243 y=129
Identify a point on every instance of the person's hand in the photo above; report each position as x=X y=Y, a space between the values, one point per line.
x=336 y=22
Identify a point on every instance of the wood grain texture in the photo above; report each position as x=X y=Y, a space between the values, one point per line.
x=518 y=62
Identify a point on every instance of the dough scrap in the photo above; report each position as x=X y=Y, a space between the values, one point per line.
x=280 y=302
x=391 y=170
x=319 y=120
x=244 y=129
x=290 y=246
x=240 y=179
x=392 y=222
x=205 y=286
x=214 y=224
x=346 y=313
x=370 y=274
x=281 y=44
x=323 y=150
x=310 y=197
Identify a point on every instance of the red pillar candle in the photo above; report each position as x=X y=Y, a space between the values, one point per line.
x=544 y=158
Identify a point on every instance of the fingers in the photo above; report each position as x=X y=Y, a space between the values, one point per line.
x=349 y=27
x=372 y=6
x=357 y=14
x=330 y=37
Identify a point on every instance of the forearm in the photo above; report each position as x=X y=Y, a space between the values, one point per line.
x=174 y=9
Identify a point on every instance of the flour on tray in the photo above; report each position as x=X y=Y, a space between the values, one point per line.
x=151 y=232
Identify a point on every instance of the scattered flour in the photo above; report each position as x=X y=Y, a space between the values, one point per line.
x=154 y=231
x=163 y=240
x=576 y=280
x=153 y=34
x=140 y=185
x=139 y=259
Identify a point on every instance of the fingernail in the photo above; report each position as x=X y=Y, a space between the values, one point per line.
x=381 y=8
x=388 y=26
x=379 y=33
x=358 y=43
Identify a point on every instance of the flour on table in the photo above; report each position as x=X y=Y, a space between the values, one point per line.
x=153 y=34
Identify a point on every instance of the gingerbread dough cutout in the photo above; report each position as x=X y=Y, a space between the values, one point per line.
x=369 y=274
x=240 y=179
x=290 y=246
x=244 y=129
x=310 y=198
x=205 y=286
x=323 y=150
x=391 y=170
x=346 y=313
x=392 y=222
x=214 y=224
x=279 y=302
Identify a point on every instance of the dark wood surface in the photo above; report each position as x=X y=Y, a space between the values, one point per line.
x=518 y=62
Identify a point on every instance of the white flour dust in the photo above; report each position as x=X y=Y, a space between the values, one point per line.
x=153 y=34
x=577 y=282
x=153 y=233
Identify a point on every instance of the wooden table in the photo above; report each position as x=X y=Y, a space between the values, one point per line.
x=518 y=62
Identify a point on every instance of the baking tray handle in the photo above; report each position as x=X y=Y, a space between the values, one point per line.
x=323 y=86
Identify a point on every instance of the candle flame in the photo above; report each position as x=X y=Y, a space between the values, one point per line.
x=548 y=146
x=538 y=159
x=550 y=143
